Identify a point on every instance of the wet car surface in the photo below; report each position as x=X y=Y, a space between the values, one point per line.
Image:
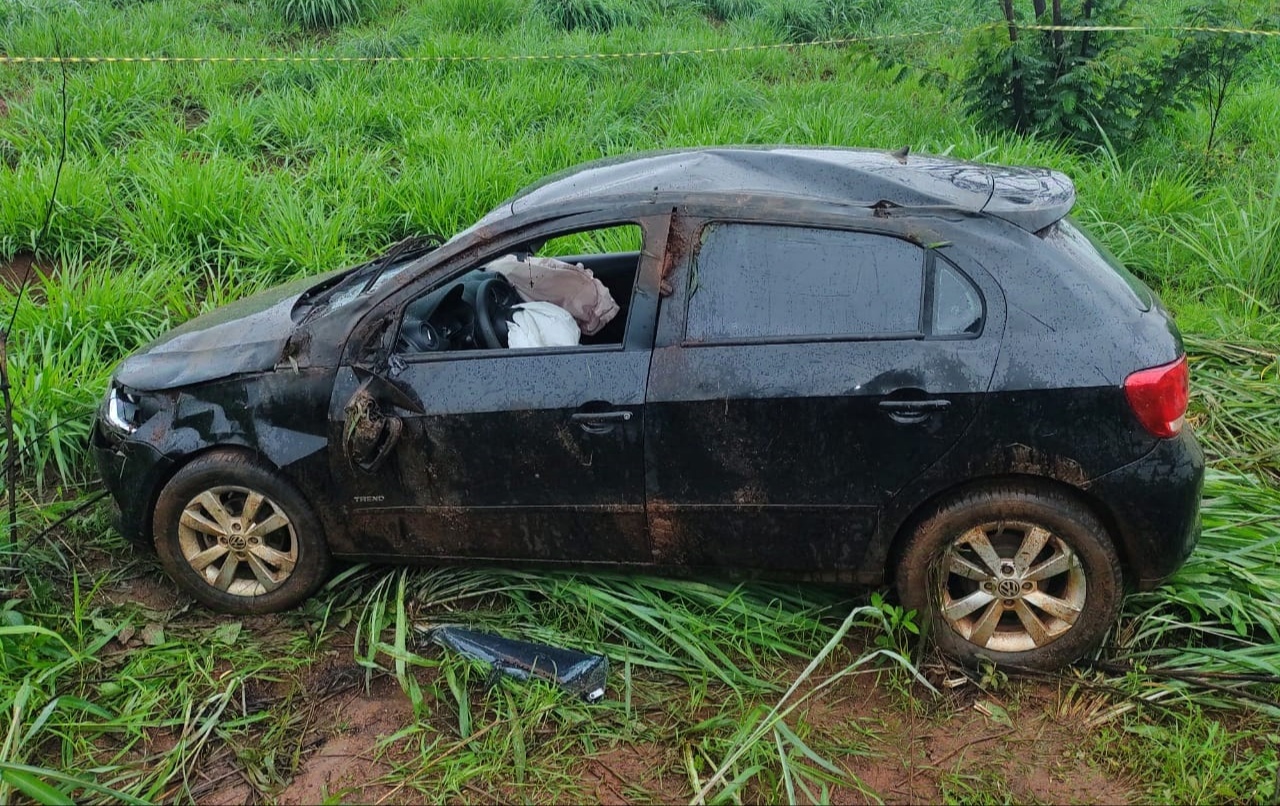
x=819 y=364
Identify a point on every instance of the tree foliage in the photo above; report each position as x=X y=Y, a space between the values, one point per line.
x=1213 y=64
x=1094 y=87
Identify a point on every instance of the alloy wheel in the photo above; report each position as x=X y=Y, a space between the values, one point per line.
x=1010 y=586
x=238 y=540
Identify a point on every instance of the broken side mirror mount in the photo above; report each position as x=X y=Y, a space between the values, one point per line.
x=370 y=435
x=386 y=390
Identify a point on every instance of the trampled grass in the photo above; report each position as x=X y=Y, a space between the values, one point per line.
x=188 y=186
x=1221 y=612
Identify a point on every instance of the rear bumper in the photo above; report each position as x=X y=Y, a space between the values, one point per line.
x=132 y=472
x=1155 y=503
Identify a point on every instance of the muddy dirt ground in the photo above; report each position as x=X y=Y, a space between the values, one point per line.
x=1025 y=741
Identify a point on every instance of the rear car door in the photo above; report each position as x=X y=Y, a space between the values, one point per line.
x=801 y=376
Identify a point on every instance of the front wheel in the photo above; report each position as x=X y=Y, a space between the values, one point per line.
x=239 y=537
x=1014 y=575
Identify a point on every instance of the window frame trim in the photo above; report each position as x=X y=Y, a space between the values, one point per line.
x=639 y=222
x=479 y=355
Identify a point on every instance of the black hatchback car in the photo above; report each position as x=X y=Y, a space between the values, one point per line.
x=823 y=364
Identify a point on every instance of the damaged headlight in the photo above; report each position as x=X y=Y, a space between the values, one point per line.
x=122 y=412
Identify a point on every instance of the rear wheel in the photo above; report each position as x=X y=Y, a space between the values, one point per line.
x=239 y=537
x=1014 y=575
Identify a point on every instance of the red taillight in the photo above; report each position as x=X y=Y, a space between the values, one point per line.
x=1159 y=397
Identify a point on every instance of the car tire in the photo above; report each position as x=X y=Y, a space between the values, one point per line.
x=237 y=536
x=1054 y=591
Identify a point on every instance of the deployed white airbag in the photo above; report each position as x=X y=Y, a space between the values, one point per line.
x=541 y=324
x=571 y=287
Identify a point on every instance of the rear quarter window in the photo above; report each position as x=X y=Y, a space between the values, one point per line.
x=957 y=304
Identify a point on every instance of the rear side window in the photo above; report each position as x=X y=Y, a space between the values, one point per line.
x=761 y=282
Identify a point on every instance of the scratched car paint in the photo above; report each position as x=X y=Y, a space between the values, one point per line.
x=830 y=365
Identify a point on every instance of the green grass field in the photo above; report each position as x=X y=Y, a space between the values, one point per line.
x=189 y=185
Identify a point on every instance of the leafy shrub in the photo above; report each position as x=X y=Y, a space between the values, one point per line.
x=322 y=13
x=1098 y=87
x=1064 y=84
x=1211 y=64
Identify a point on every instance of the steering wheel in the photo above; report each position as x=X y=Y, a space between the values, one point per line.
x=421 y=337
x=494 y=298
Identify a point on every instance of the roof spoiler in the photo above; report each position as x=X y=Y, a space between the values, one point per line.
x=1029 y=198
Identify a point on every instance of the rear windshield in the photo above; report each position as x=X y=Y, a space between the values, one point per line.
x=1093 y=257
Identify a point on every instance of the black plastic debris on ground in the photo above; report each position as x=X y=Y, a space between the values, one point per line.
x=576 y=672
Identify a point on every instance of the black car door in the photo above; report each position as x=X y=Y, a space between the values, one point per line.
x=800 y=377
x=529 y=454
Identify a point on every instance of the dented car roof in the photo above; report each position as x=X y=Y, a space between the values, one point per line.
x=1030 y=198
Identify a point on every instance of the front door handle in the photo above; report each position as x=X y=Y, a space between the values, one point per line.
x=599 y=422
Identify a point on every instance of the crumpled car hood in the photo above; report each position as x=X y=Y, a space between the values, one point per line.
x=248 y=335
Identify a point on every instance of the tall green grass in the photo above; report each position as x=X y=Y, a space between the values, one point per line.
x=1222 y=609
x=1238 y=247
x=87 y=687
x=595 y=15
x=1234 y=408
x=322 y=13
x=810 y=20
x=228 y=178
x=79 y=322
x=190 y=186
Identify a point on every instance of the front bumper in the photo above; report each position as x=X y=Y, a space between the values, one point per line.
x=1155 y=503
x=132 y=472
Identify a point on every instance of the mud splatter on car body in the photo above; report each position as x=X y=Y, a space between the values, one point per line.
x=799 y=456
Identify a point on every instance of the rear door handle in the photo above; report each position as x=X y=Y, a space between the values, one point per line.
x=913 y=412
x=914 y=406
x=599 y=422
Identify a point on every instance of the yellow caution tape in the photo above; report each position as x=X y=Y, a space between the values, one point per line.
x=650 y=54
